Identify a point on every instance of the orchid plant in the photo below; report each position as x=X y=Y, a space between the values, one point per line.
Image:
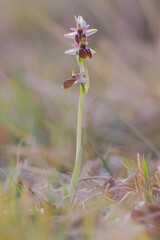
x=81 y=51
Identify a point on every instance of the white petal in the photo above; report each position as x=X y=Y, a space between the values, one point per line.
x=74 y=29
x=72 y=51
x=81 y=22
x=90 y=32
x=70 y=35
x=82 y=79
x=92 y=51
x=75 y=45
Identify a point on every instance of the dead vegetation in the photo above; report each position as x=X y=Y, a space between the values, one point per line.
x=103 y=206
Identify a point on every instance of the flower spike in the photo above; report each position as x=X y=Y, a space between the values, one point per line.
x=81 y=51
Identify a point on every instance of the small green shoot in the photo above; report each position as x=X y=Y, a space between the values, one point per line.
x=146 y=174
x=64 y=189
x=84 y=171
x=15 y=184
x=126 y=167
x=144 y=167
x=104 y=161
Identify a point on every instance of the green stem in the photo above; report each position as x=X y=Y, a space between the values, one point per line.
x=79 y=120
x=77 y=167
x=87 y=76
x=78 y=162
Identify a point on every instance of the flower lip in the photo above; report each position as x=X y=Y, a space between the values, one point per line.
x=79 y=36
x=69 y=83
x=76 y=78
x=85 y=52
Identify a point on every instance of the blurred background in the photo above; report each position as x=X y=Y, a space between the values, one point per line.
x=121 y=113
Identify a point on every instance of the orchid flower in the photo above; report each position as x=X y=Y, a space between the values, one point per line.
x=81 y=49
x=83 y=52
x=76 y=78
x=81 y=31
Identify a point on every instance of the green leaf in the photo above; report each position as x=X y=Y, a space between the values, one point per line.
x=76 y=174
x=126 y=166
x=144 y=166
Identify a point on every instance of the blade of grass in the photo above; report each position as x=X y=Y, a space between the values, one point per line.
x=15 y=184
x=102 y=159
x=126 y=167
x=144 y=166
x=146 y=140
x=146 y=174
x=84 y=171
x=64 y=189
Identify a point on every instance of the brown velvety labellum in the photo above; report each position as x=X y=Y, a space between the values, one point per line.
x=89 y=53
x=79 y=36
x=69 y=83
x=85 y=52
